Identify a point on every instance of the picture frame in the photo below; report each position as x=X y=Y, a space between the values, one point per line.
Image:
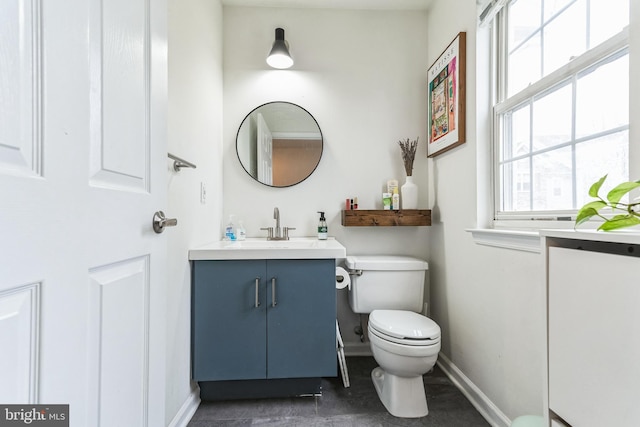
x=446 y=98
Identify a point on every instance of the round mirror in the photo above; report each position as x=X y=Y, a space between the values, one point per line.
x=279 y=144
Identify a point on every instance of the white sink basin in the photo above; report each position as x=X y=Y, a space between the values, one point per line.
x=261 y=248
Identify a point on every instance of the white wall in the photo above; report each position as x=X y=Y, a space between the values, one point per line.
x=488 y=301
x=362 y=75
x=195 y=134
x=634 y=87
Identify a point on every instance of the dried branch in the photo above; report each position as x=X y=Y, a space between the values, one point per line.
x=408 y=154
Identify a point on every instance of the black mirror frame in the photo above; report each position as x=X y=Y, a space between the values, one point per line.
x=321 y=143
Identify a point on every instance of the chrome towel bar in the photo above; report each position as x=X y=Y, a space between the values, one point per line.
x=179 y=163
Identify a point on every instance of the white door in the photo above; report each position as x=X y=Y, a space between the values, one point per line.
x=82 y=170
x=265 y=152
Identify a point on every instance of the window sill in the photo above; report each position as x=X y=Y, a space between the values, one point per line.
x=528 y=241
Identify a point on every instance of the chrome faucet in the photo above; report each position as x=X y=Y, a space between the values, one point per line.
x=280 y=233
x=276 y=216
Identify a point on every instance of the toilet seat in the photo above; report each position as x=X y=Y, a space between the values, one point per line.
x=404 y=327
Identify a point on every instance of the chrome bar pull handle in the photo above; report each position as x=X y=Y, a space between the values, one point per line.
x=273 y=292
x=257 y=292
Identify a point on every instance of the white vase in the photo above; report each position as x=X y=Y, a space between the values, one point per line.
x=409 y=194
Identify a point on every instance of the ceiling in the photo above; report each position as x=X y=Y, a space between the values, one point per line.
x=337 y=4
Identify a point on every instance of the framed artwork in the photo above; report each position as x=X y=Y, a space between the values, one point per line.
x=446 y=98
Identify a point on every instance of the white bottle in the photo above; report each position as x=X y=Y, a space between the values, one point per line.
x=241 y=233
x=395 y=200
x=392 y=185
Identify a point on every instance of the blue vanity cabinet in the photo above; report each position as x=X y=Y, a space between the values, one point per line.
x=285 y=329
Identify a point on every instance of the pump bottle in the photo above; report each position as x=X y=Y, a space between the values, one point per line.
x=322 y=227
x=230 y=231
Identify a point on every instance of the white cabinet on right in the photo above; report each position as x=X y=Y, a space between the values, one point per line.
x=593 y=312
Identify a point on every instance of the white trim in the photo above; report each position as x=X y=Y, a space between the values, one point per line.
x=478 y=399
x=528 y=241
x=583 y=62
x=296 y=135
x=187 y=410
x=488 y=9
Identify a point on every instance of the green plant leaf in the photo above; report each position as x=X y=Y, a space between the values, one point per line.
x=595 y=187
x=589 y=210
x=620 y=221
x=620 y=190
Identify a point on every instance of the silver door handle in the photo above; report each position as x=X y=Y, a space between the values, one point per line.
x=257 y=304
x=273 y=292
x=160 y=222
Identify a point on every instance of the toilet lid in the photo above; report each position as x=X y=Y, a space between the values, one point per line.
x=404 y=325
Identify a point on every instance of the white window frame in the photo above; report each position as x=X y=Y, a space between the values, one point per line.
x=502 y=104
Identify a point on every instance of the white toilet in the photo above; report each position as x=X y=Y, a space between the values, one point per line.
x=404 y=343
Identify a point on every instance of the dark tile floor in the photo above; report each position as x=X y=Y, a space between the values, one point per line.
x=338 y=406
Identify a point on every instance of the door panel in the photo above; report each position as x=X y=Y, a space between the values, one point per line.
x=125 y=49
x=20 y=142
x=230 y=331
x=121 y=115
x=19 y=328
x=119 y=340
x=305 y=314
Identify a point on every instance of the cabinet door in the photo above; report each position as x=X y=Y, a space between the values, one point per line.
x=594 y=338
x=228 y=330
x=301 y=326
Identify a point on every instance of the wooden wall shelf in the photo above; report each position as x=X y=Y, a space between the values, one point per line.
x=384 y=218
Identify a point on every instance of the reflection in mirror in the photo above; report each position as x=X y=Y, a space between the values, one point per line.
x=279 y=144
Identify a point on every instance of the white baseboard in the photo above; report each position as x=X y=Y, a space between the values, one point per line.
x=478 y=399
x=187 y=409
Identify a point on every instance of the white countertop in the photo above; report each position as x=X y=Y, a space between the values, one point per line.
x=261 y=248
x=626 y=235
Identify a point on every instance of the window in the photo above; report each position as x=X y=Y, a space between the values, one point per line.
x=561 y=120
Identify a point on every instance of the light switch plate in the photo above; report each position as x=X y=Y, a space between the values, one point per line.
x=203 y=193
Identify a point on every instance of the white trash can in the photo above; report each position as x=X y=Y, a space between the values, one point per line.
x=528 y=421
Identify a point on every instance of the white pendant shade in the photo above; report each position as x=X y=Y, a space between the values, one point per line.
x=279 y=57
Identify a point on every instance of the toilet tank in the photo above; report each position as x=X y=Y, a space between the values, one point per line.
x=387 y=282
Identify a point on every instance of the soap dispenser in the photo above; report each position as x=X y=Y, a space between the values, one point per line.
x=322 y=227
x=230 y=231
x=241 y=233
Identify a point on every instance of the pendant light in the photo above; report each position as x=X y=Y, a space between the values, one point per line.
x=279 y=56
